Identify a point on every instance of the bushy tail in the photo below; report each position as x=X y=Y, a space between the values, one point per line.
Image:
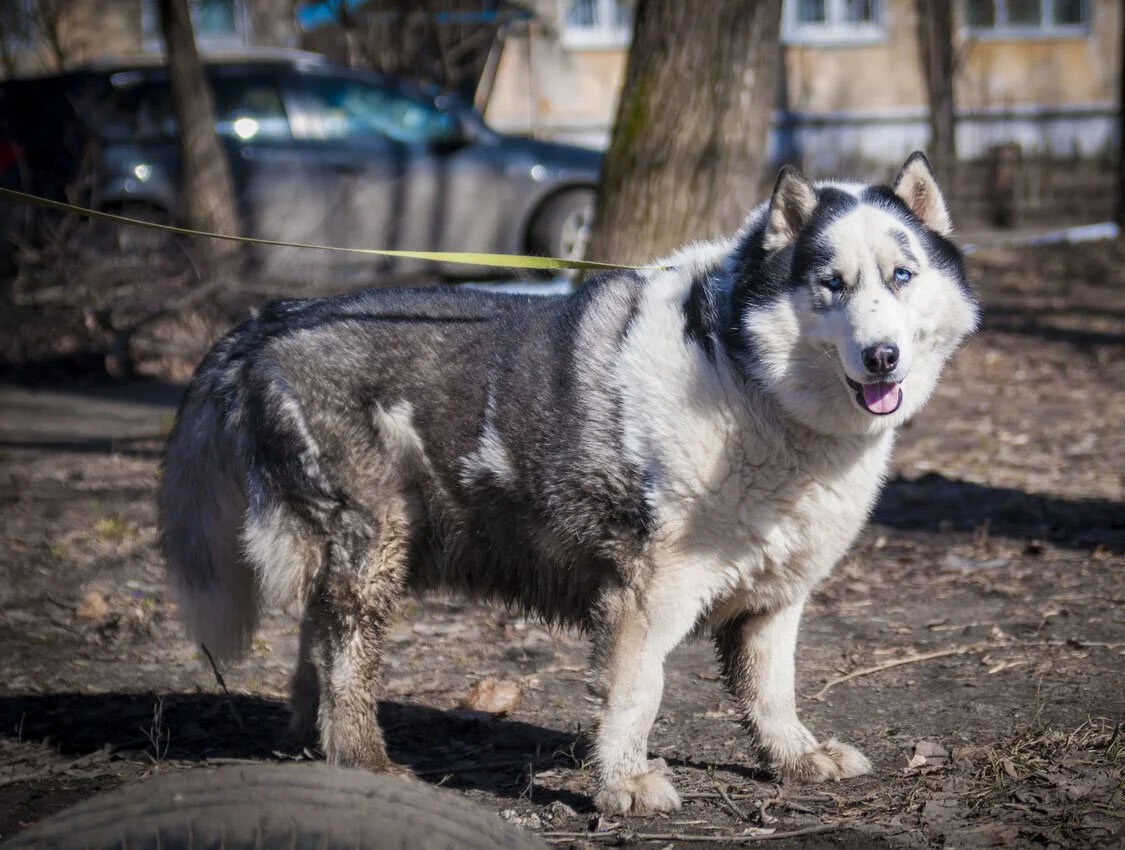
x=203 y=507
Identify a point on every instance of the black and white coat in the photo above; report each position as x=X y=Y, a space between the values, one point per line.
x=660 y=453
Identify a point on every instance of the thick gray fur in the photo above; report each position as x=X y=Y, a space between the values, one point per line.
x=657 y=454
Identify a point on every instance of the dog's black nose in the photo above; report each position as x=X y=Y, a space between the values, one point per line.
x=881 y=359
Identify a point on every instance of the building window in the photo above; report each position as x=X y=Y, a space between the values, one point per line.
x=219 y=24
x=833 y=22
x=597 y=23
x=1027 y=18
x=17 y=24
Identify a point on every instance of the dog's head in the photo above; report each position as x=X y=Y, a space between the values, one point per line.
x=850 y=298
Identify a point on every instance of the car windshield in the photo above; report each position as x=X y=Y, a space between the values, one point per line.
x=344 y=108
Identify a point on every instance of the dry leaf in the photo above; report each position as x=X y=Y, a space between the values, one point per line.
x=93 y=607
x=493 y=696
x=915 y=763
x=930 y=750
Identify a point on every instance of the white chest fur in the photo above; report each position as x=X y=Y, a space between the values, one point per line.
x=748 y=508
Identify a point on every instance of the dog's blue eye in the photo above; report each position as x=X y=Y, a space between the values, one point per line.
x=834 y=283
x=903 y=275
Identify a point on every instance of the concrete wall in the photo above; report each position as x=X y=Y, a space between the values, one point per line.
x=548 y=89
x=1046 y=72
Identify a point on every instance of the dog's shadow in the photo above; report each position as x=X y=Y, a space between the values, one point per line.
x=938 y=504
x=456 y=749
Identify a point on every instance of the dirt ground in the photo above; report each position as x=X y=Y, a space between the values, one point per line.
x=973 y=643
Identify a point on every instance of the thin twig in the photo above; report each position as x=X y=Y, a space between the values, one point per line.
x=788 y=802
x=737 y=812
x=788 y=799
x=765 y=817
x=482 y=765
x=157 y=738
x=58 y=769
x=619 y=835
x=793 y=805
x=230 y=760
x=529 y=791
x=898 y=662
x=1113 y=738
x=222 y=684
x=1075 y=643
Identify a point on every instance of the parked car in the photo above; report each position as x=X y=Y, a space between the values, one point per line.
x=318 y=153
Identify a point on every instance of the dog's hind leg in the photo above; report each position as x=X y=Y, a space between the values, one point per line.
x=756 y=654
x=350 y=606
x=645 y=626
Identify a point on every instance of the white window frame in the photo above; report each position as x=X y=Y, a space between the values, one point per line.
x=241 y=37
x=836 y=30
x=1047 y=27
x=24 y=42
x=602 y=35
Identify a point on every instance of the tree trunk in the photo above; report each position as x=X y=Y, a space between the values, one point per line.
x=935 y=38
x=206 y=189
x=688 y=152
x=1121 y=130
x=50 y=29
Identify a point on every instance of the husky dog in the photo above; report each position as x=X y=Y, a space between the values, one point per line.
x=687 y=449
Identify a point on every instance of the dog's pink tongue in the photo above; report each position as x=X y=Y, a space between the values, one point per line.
x=882 y=397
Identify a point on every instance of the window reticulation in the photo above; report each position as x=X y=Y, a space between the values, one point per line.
x=840 y=22
x=597 y=23
x=1027 y=18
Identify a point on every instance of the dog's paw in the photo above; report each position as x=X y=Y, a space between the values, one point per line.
x=643 y=794
x=831 y=760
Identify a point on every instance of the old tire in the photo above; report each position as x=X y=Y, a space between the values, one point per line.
x=561 y=226
x=274 y=806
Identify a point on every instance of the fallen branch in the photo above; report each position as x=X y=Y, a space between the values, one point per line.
x=625 y=835
x=898 y=662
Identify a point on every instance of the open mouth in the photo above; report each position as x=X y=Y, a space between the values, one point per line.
x=880 y=398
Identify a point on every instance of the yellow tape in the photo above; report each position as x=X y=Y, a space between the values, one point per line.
x=465 y=258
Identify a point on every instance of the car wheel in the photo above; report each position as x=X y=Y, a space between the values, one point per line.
x=270 y=807
x=561 y=228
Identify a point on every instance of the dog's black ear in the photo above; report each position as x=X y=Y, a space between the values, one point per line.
x=791 y=207
x=918 y=188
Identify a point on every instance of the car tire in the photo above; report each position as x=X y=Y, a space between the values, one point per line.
x=561 y=227
x=274 y=806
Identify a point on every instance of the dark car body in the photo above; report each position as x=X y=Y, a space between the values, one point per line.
x=318 y=153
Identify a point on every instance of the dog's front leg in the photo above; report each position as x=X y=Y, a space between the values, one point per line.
x=756 y=652
x=644 y=629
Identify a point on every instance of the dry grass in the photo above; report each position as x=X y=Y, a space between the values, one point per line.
x=115 y=529
x=1038 y=751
